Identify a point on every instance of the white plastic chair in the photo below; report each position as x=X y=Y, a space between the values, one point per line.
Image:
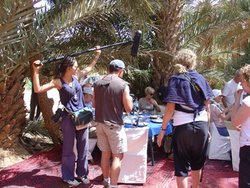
x=220 y=146
x=234 y=138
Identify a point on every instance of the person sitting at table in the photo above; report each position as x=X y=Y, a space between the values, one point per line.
x=218 y=113
x=147 y=103
x=187 y=102
x=88 y=97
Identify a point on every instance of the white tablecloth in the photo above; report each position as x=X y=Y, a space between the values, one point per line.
x=134 y=163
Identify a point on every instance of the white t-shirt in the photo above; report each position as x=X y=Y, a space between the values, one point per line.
x=245 y=127
x=228 y=91
x=180 y=118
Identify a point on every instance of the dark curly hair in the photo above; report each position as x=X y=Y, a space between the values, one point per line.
x=61 y=67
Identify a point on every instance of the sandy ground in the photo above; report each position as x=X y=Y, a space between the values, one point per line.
x=12 y=156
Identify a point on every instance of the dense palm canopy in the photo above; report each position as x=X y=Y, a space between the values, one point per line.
x=218 y=32
x=66 y=27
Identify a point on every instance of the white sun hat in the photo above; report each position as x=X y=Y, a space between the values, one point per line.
x=88 y=90
x=217 y=92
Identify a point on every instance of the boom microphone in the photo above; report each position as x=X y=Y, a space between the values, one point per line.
x=134 y=49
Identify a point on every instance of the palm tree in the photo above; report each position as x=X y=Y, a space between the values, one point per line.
x=165 y=33
x=66 y=27
x=16 y=18
x=219 y=33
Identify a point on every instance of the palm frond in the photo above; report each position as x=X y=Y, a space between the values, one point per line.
x=15 y=18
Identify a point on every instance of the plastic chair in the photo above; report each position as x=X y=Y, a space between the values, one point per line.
x=234 y=135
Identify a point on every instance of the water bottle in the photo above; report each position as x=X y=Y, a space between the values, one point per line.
x=136 y=105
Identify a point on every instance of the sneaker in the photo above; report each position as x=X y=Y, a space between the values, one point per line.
x=72 y=183
x=106 y=184
x=84 y=180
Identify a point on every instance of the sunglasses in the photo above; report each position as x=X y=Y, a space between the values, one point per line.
x=152 y=94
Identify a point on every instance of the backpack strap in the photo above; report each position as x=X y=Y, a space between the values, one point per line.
x=198 y=93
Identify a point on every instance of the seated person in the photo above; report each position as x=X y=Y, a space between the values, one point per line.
x=89 y=81
x=88 y=96
x=218 y=113
x=147 y=103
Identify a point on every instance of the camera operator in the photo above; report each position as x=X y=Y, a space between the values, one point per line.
x=71 y=96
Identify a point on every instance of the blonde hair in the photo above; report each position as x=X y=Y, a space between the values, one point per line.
x=245 y=72
x=149 y=90
x=185 y=59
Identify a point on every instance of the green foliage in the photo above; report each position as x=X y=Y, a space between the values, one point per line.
x=27 y=84
x=218 y=33
x=138 y=79
x=244 y=59
x=215 y=78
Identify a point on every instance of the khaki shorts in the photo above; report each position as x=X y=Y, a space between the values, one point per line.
x=110 y=138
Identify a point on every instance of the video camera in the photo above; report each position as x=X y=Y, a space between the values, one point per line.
x=58 y=115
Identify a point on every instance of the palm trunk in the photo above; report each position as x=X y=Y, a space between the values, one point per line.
x=12 y=109
x=46 y=105
x=168 y=20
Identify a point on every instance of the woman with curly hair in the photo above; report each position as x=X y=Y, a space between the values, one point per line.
x=187 y=102
x=240 y=117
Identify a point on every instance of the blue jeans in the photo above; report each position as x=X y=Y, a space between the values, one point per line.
x=70 y=134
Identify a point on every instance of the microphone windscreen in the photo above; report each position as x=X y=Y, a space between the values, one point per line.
x=136 y=43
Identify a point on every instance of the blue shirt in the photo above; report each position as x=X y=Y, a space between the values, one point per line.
x=72 y=97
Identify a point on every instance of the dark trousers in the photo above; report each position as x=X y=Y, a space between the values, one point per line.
x=244 y=168
x=34 y=106
x=70 y=136
x=190 y=143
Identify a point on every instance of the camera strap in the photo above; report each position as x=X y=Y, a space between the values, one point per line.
x=68 y=111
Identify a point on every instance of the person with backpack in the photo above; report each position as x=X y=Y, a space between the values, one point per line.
x=240 y=118
x=187 y=102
